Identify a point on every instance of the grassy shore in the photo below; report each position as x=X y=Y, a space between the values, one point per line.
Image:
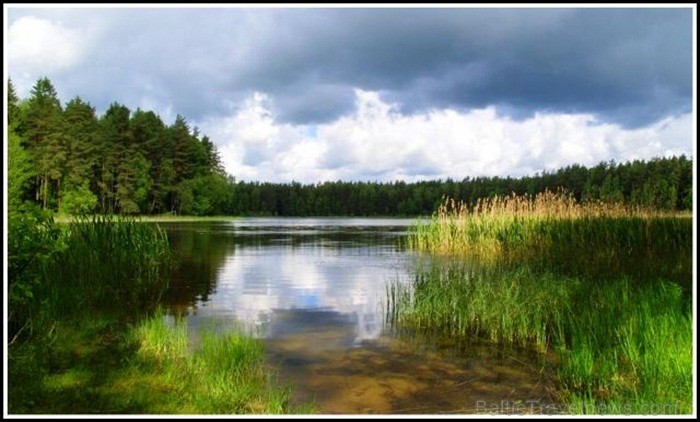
x=598 y=285
x=87 y=336
x=102 y=365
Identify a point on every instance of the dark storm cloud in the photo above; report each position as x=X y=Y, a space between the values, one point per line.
x=630 y=66
x=314 y=103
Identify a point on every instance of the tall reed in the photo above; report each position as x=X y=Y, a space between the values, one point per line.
x=106 y=262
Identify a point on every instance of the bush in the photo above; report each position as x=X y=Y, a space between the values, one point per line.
x=78 y=201
x=32 y=239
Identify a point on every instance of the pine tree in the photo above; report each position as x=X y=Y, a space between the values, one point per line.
x=182 y=149
x=213 y=158
x=45 y=132
x=114 y=149
x=82 y=143
x=149 y=135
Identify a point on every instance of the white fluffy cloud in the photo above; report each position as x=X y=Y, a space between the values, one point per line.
x=255 y=147
x=378 y=142
x=38 y=47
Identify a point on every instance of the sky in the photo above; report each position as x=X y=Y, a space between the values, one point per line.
x=380 y=94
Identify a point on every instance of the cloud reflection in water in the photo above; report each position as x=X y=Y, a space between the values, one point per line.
x=289 y=279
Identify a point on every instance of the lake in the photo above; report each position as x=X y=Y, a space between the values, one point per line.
x=313 y=289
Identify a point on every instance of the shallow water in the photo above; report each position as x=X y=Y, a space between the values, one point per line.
x=314 y=289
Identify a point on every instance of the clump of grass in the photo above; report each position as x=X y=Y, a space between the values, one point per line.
x=225 y=374
x=501 y=306
x=159 y=341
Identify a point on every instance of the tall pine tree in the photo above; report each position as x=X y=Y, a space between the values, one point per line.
x=45 y=132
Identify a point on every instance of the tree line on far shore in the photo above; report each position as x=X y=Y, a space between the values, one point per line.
x=67 y=159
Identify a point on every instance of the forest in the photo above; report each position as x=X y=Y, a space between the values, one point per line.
x=68 y=159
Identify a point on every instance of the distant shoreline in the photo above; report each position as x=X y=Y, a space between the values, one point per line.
x=64 y=218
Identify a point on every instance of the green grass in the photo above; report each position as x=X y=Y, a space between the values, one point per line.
x=618 y=343
x=225 y=373
x=501 y=306
x=105 y=366
x=629 y=345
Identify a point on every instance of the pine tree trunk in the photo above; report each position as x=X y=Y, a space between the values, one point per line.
x=58 y=195
x=45 y=187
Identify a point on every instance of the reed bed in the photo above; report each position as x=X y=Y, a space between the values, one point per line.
x=97 y=262
x=552 y=231
x=466 y=301
x=502 y=226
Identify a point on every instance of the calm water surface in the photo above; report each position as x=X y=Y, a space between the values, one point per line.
x=314 y=289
